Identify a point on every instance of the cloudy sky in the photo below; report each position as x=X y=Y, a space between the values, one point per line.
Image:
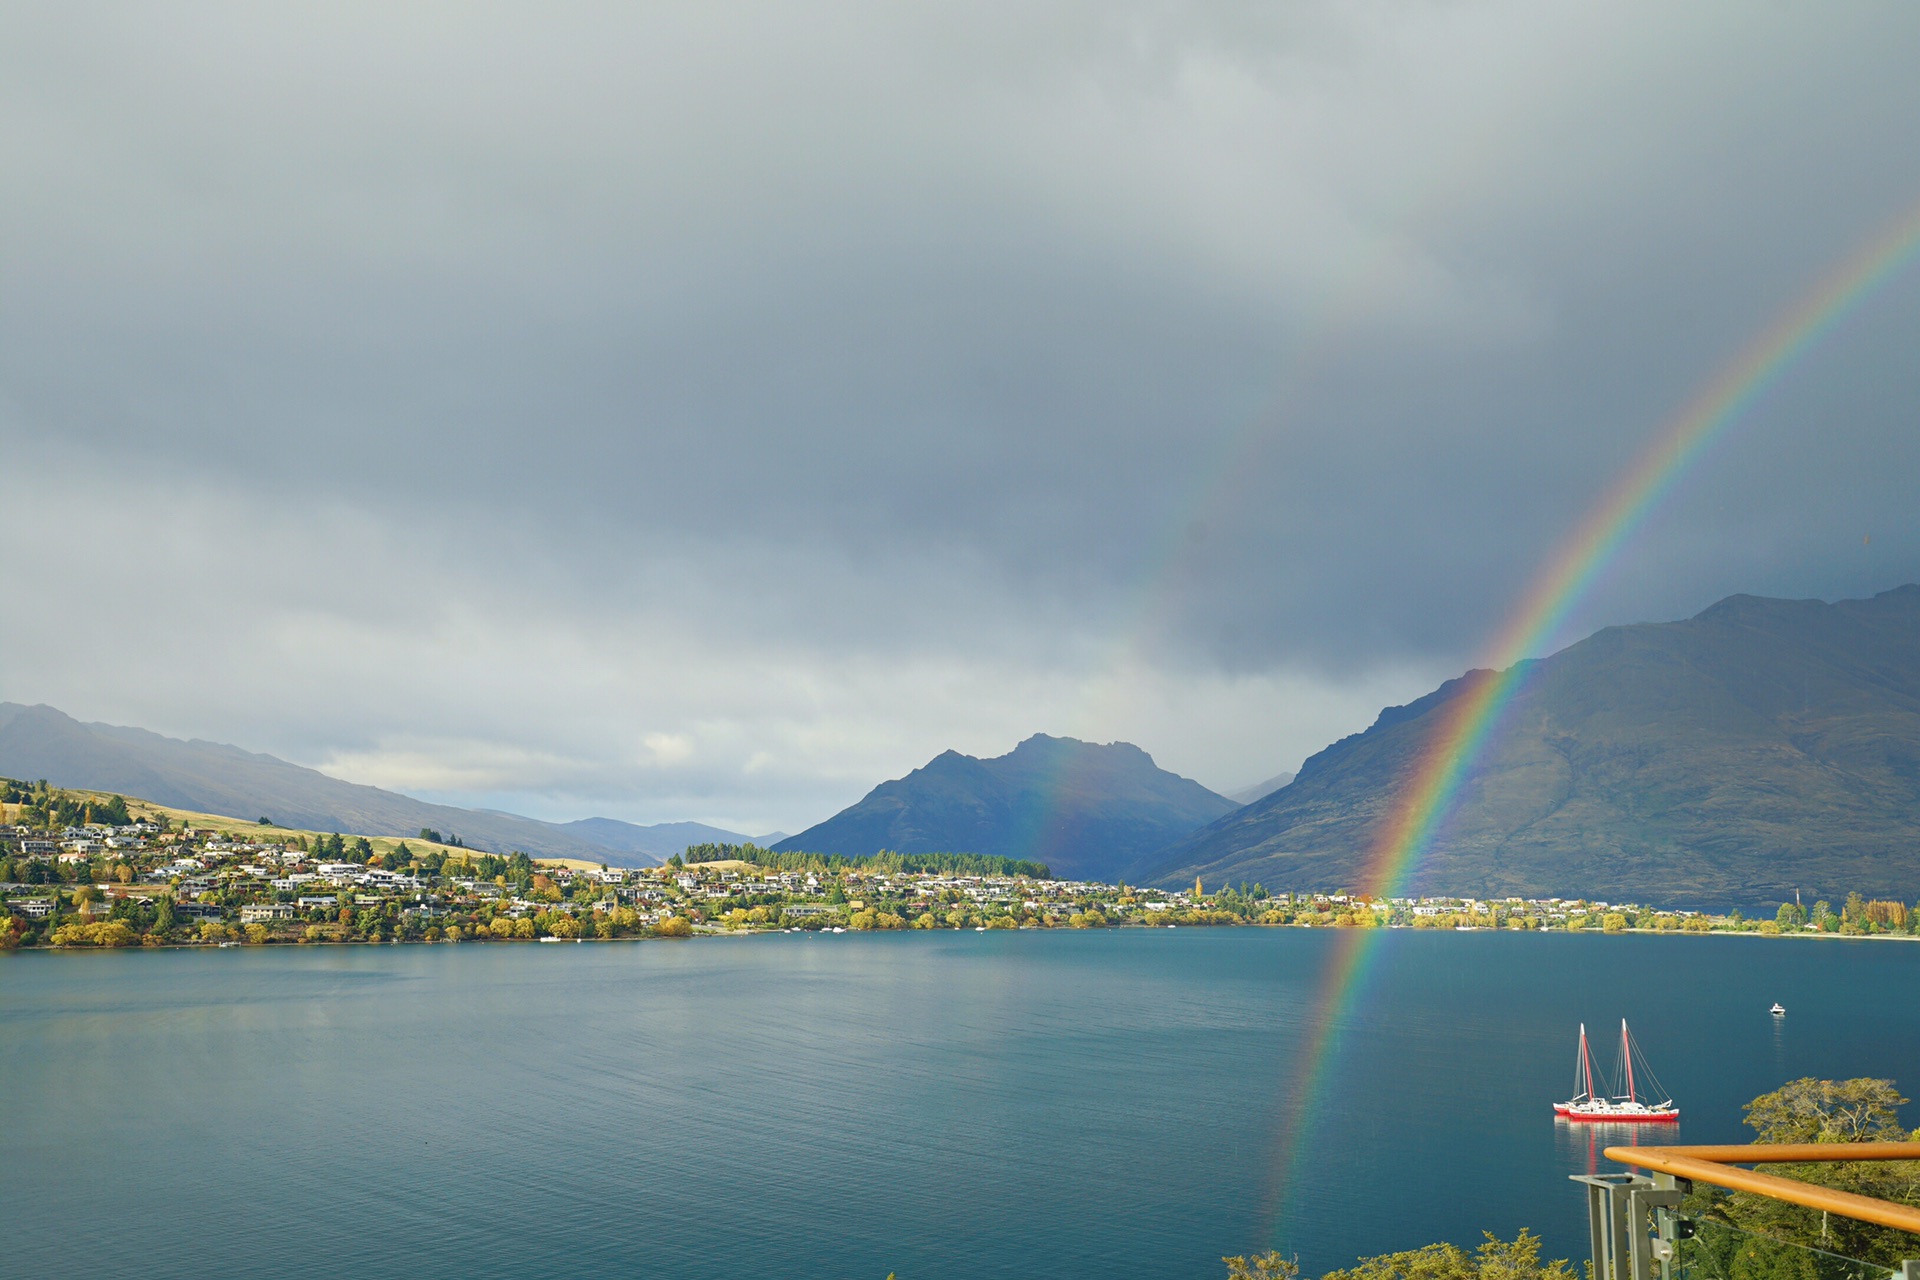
x=706 y=411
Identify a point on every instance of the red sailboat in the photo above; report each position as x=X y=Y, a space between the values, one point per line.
x=1615 y=1107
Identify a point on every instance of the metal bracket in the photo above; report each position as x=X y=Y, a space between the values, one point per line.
x=1621 y=1213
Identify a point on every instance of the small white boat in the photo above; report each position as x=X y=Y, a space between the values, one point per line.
x=1779 y=1010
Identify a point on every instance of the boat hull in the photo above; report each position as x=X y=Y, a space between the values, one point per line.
x=1635 y=1115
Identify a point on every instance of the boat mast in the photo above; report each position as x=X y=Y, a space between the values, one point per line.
x=1626 y=1056
x=1586 y=1063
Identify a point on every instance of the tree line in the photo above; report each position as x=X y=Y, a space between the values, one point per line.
x=886 y=862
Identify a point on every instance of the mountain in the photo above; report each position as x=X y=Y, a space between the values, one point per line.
x=659 y=841
x=1759 y=747
x=208 y=777
x=1259 y=790
x=1087 y=811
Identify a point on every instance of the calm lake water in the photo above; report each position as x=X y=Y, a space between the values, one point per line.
x=945 y=1105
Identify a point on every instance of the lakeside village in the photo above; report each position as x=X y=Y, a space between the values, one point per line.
x=85 y=872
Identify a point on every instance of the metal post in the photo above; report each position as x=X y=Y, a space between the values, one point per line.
x=1641 y=1201
x=1608 y=1212
x=1620 y=1212
x=1597 y=1232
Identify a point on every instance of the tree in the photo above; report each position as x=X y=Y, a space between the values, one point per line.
x=1791 y=915
x=1495 y=1259
x=1810 y=1110
x=1266 y=1266
x=674 y=927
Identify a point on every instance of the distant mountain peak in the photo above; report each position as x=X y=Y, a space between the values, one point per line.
x=1088 y=810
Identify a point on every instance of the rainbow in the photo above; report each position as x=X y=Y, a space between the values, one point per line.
x=1467 y=724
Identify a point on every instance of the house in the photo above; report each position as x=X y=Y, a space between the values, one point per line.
x=261 y=912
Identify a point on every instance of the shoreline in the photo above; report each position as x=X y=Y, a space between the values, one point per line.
x=741 y=934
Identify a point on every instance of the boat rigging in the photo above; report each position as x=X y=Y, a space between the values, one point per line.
x=1613 y=1106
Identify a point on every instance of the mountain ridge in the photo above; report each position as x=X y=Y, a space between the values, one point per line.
x=1732 y=757
x=39 y=741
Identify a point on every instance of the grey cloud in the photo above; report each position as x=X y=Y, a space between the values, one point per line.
x=1249 y=344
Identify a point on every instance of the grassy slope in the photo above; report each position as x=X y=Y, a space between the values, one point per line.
x=241 y=829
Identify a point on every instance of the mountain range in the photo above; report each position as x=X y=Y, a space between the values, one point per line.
x=1089 y=811
x=211 y=777
x=1259 y=790
x=660 y=840
x=1760 y=747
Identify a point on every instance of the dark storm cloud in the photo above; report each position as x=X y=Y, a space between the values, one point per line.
x=1025 y=343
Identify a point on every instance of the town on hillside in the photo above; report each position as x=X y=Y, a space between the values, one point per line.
x=84 y=870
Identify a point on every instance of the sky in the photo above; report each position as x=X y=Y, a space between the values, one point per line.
x=706 y=411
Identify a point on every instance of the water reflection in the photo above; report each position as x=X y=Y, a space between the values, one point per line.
x=1579 y=1144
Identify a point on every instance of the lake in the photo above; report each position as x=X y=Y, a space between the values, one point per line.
x=937 y=1105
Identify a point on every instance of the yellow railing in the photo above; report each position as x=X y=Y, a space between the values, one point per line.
x=1719 y=1166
